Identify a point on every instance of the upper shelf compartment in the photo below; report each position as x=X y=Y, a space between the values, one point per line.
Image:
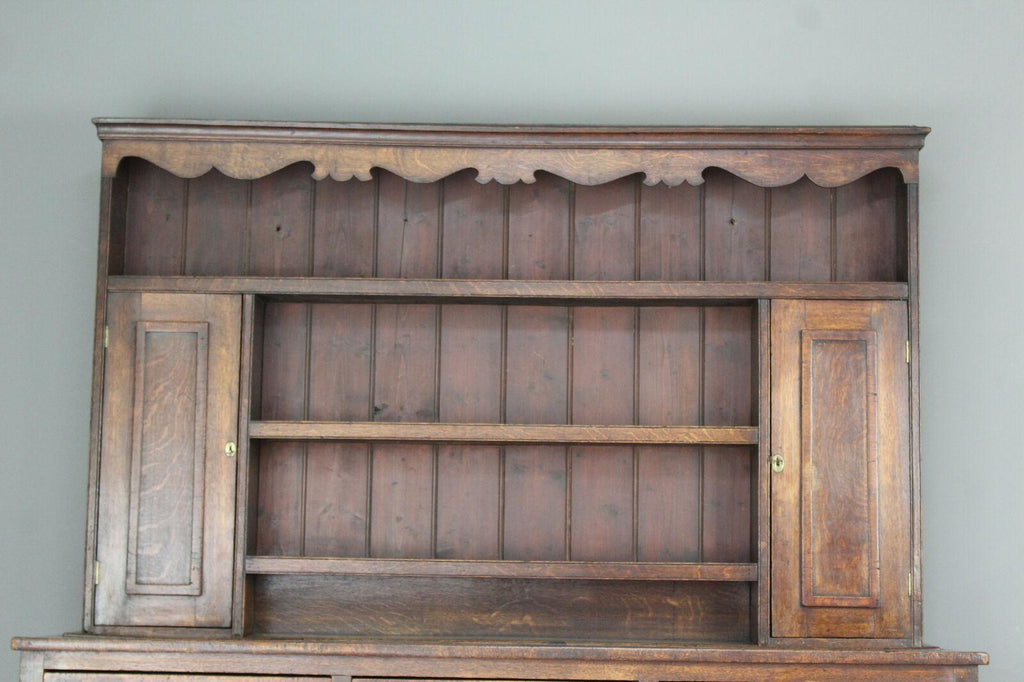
x=287 y=224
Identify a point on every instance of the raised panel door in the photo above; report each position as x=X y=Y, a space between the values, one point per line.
x=840 y=503
x=165 y=531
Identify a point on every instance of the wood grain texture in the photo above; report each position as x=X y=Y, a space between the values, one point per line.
x=670 y=233
x=801 y=233
x=510 y=154
x=839 y=490
x=474 y=218
x=537 y=365
x=408 y=228
x=135 y=677
x=155 y=221
x=519 y=292
x=168 y=461
x=538 y=229
x=402 y=501
x=595 y=610
x=734 y=229
x=189 y=526
x=604 y=239
x=345 y=229
x=280 y=223
x=669 y=479
x=534 y=516
x=216 y=242
x=871 y=239
x=284 y=395
x=728 y=376
x=405 y=378
x=504 y=433
x=839 y=510
x=555 y=570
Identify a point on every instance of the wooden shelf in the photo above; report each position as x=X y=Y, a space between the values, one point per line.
x=504 y=433
x=556 y=570
x=513 y=291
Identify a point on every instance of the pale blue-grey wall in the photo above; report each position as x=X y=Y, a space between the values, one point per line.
x=956 y=66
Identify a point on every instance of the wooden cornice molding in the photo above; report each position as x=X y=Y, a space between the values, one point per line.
x=768 y=156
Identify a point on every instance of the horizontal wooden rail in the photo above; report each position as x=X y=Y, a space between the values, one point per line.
x=504 y=433
x=511 y=291
x=460 y=568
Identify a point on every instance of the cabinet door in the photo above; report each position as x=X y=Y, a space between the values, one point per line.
x=165 y=532
x=840 y=515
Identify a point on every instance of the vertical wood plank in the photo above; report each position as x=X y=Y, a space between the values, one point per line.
x=344 y=229
x=538 y=228
x=668 y=486
x=670 y=247
x=341 y=339
x=605 y=235
x=734 y=228
x=871 y=238
x=402 y=501
x=602 y=477
x=535 y=502
x=801 y=232
x=336 y=479
x=537 y=365
x=155 y=221
x=473 y=230
x=470 y=391
x=471 y=363
x=407 y=231
x=602 y=370
x=468 y=480
x=280 y=233
x=336 y=519
x=217 y=207
x=602 y=503
x=728 y=399
x=282 y=463
x=405 y=373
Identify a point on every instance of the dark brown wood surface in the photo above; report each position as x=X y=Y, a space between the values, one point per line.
x=828 y=156
x=402 y=659
x=841 y=552
x=538 y=409
x=166 y=498
x=518 y=292
x=470 y=608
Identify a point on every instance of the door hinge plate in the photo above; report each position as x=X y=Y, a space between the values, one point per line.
x=908 y=352
x=95 y=573
x=106 y=336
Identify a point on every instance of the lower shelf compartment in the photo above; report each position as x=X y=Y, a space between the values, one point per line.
x=500 y=608
x=139 y=660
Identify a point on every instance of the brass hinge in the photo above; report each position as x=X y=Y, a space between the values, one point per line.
x=908 y=352
x=910 y=584
x=106 y=336
x=95 y=573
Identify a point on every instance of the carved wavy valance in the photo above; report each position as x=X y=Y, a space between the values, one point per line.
x=768 y=157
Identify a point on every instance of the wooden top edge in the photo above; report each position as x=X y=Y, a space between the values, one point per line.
x=501 y=650
x=544 y=136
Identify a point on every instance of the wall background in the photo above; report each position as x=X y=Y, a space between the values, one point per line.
x=955 y=66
